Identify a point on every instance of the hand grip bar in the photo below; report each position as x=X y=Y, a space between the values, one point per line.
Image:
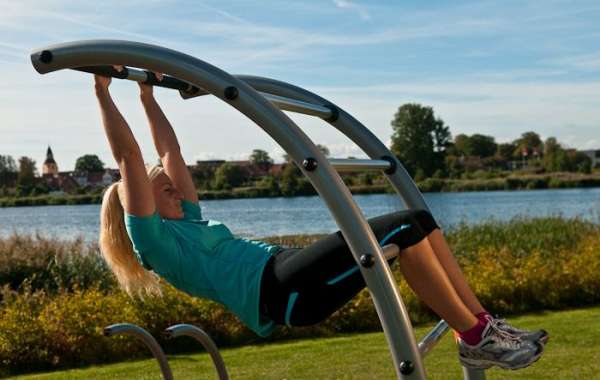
x=143 y=76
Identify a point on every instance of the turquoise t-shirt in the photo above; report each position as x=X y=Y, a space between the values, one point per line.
x=204 y=259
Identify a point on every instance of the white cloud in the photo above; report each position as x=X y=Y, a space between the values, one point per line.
x=345 y=150
x=345 y=4
x=586 y=62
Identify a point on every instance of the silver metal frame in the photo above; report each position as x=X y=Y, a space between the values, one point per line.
x=245 y=93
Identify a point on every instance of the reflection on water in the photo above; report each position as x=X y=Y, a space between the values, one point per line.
x=307 y=215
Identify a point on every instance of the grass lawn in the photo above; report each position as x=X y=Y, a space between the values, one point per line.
x=572 y=353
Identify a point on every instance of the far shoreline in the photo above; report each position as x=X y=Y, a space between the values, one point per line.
x=429 y=185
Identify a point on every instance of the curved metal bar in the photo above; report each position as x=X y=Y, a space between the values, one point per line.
x=348 y=216
x=206 y=342
x=353 y=129
x=147 y=339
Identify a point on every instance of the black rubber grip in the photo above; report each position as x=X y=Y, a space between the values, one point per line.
x=151 y=79
x=105 y=71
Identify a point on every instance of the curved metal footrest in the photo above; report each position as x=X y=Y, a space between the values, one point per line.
x=146 y=338
x=205 y=341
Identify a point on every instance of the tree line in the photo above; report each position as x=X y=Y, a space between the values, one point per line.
x=424 y=145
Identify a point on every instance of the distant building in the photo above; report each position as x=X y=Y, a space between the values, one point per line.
x=594 y=155
x=50 y=167
x=60 y=183
x=277 y=169
x=95 y=180
x=71 y=181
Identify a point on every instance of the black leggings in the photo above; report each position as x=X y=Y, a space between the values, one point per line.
x=303 y=286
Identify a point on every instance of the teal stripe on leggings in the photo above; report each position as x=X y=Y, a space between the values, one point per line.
x=354 y=269
x=343 y=275
x=394 y=232
x=290 y=306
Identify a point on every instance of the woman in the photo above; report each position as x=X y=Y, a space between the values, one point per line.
x=151 y=221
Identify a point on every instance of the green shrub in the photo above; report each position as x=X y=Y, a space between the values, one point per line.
x=432 y=185
x=50 y=264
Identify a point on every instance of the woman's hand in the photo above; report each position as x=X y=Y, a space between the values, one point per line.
x=102 y=82
x=146 y=89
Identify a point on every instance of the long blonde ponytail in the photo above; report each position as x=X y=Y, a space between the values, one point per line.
x=117 y=249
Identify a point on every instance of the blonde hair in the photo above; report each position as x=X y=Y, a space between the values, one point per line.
x=116 y=247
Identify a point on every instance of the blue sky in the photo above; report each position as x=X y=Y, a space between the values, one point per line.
x=494 y=67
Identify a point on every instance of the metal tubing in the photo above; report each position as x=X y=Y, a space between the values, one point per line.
x=342 y=164
x=188 y=91
x=353 y=129
x=348 y=216
x=142 y=76
x=293 y=105
x=147 y=339
x=473 y=374
x=433 y=337
x=390 y=251
x=206 y=342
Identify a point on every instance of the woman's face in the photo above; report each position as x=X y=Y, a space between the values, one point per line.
x=167 y=197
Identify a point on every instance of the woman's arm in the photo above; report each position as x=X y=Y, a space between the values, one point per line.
x=167 y=145
x=139 y=200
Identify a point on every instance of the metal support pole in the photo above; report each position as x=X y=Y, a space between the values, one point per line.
x=473 y=374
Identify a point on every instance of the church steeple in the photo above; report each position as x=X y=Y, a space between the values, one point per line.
x=49 y=155
x=49 y=166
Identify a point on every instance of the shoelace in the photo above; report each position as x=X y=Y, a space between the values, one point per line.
x=502 y=322
x=503 y=338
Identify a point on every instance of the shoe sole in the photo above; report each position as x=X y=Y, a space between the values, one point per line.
x=486 y=364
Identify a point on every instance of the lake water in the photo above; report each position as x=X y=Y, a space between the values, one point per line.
x=308 y=215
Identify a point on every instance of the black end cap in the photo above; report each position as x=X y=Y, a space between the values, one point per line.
x=231 y=93
x=393 y=165
x=335 y=113
x=46 y=56
x=310 y=164
x=407 y=367
x=367 y=260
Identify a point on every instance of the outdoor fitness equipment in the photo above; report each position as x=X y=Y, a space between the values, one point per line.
x=262 y=100
x=171 y=332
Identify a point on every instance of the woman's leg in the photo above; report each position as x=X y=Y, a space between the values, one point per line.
x=455 y=274
x=428 y=279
